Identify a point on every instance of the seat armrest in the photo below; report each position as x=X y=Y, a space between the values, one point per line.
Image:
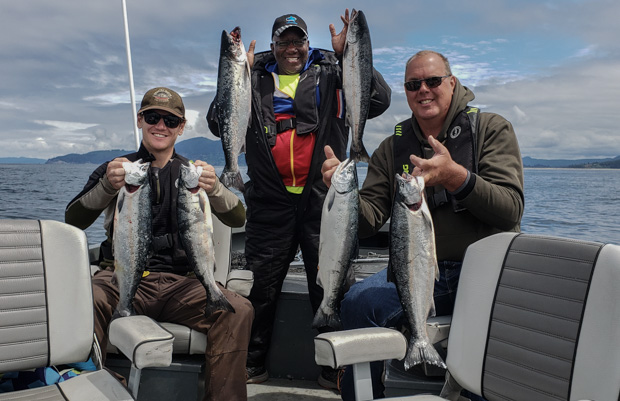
x=142 y=340
x=240 y=281
x=348 y=347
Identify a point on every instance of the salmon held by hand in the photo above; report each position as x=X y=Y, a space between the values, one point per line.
x=338 y=244
x=196 y=234
x=357 y=81
x=413 y=264
x=233 y=102
x=132 y=234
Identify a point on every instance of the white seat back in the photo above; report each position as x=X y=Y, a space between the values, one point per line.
x=46 y=309
x=46 y=312
x=537 y=318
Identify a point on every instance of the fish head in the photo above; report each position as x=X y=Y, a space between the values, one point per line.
x=410 y=191
x=190 y=175
x=232 y=46
x=136 y=172
x=345 y=177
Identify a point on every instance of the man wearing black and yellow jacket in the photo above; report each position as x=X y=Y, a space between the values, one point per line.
x=473 y=173
x=297 y=109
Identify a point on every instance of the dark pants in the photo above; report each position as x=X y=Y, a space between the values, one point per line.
x=168 y=297
x=374 y=302
x=270 y=247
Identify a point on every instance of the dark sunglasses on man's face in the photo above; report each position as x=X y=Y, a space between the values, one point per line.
x=432 y=82
x=153 y=117
x=283 y=44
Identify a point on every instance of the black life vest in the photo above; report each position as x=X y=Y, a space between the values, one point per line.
x=461 y=142
x=305 y=107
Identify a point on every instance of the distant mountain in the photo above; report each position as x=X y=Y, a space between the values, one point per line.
x=194 y=149
x=96 y=157
x=211 y=151
x=21 y=160
x=579 y=163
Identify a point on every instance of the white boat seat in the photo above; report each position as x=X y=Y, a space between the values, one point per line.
x=46 y=310
x=536 y=318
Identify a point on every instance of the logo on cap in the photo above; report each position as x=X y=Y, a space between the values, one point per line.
x=291 y=20
x=162 y=95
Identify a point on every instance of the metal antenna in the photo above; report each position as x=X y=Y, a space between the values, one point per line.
x=132 y=94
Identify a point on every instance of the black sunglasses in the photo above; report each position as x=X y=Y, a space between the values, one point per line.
x=283 y=44
x=432 y=82
x=153 y=117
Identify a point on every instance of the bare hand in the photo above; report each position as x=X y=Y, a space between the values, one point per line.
x=250 y=53
x=338 y=40
x=208 y=177
x=329 y=166
x=116 y=173
x=439 y=169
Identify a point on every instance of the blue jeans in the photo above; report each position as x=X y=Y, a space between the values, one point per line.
x=360 y=308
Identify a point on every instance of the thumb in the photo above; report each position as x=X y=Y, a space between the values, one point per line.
x=332 y=30
x=436 y=145
x=329 y=153
x=252 y=46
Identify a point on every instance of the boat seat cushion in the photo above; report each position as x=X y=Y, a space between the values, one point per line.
x=340 y=348
x=145 y=342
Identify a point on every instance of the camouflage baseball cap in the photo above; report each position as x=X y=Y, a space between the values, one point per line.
x=163 y=99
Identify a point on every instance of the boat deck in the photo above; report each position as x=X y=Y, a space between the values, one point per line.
x=289 y=390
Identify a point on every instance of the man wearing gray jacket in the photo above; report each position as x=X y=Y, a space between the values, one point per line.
x=473 y=174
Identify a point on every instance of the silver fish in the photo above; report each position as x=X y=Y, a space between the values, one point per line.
x=132 y=234
x=413 y=263
x=357 y=81
x=338 y=244
x=233 y=102
x=196 y=233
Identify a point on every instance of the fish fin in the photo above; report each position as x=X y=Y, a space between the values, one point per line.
x=422 y=352
x=232 y=179
x=322 y=319
x=432 y=312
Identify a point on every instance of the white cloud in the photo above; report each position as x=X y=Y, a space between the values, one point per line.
x=551 y=68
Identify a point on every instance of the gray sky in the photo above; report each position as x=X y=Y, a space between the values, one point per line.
x=552 y=68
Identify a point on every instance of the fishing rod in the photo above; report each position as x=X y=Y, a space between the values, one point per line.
x=132 y=94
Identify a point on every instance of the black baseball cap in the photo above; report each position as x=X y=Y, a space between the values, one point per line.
x=287 y=21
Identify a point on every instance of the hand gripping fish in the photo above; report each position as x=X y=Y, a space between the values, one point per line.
x=357 y=81
x=413 y=264
x=132 y=234
x=338 y=244
x=233 y=102
x=196 y=233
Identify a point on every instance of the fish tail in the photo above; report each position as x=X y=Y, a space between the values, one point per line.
x=422 y=352
x=123 y=312
x=232 y=179
x=218 y=304
x=360 y=155
x=322 y=319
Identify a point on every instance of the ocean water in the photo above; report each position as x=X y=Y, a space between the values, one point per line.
x=574 y=203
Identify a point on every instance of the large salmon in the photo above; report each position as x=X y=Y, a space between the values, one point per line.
x=338 y=244
x=357 y=81
x=233 y=102
x=132 y=234
x=413 y=264
x=196 y=233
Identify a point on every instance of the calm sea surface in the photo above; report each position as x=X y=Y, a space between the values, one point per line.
x=575 y=203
